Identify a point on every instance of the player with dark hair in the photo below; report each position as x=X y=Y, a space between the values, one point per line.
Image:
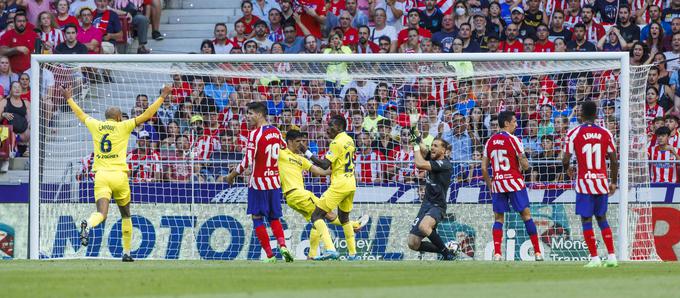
x=110 y=139
x=592 y=144
x=264 y=189
x=505 y=152
x=433 y=208
x=340 y=194
x=291 y=166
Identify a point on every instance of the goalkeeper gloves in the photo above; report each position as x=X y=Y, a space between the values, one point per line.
x=414 y=136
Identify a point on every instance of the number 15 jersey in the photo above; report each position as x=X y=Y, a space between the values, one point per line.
x=503 y=150
x=262 y=151
x=110 y=140
x=341 y=155
x=590 y=143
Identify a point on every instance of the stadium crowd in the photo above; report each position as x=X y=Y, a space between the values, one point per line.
x=204 y=119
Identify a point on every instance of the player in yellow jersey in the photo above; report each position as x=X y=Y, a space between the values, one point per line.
x=291 y=166
x=340 y=194
x=110 y=140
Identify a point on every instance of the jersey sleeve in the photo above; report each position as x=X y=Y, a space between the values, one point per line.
x=440 y=165
x=306 y=164
x=333 y=152
x=129 y=125
x=250 y=154
x=91 y=123
x=517 y=145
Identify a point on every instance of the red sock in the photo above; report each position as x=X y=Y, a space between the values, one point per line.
x=534 y=241
x=608 y=240
x=277 y=229
x=497 y=239
x=589 y=237
x=262 y=235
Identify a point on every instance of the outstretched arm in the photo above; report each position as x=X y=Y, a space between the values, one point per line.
x=68 y=95
x=151 y=110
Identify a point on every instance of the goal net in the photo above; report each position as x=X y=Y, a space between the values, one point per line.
x=183 y=209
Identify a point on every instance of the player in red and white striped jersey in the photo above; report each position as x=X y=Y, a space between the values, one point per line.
x=663 y=151
x=505 y=152
x=264 y=188
x=592 y=144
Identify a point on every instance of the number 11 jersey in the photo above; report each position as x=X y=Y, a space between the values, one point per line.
x=503 y=151
x=590 y=143
x=262 y=151
x=110 y=140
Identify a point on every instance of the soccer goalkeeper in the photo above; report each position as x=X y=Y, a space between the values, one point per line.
x=110 y=140
x=291 y=166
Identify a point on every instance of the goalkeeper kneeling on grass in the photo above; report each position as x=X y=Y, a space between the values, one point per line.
x=432 y=211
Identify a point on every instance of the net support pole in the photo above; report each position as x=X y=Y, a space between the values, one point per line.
x=34 y=178
x=624 y=141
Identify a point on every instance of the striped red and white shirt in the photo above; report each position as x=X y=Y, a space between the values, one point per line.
x=144 y=166
x=204 y=146
x=662 y=171
x=262 y=151
x=591 y=144
x=55 y=37
x=369 y=171
x=641 y=5
x=503 y=150
x=403 y=170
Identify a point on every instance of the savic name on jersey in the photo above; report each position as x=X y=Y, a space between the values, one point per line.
x=503 y=149
x=590 y=144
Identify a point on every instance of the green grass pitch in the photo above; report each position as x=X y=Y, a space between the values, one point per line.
x=419 y=279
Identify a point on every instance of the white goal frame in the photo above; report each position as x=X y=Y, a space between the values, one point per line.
x=623 y=57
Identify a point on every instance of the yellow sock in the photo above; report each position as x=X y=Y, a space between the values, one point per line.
x=127 y=234
x=336 y=222
x=349 y=236
x=355 y=224
x=313 y=243
x=95 y=219
x=320 y=226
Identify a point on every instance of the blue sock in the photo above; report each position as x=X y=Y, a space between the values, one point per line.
x=530 y=226
x=257 y=222
x=603 y=224
x=587 y=226
x=498 y=225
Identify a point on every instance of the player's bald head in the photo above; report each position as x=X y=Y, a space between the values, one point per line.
x=113 y=113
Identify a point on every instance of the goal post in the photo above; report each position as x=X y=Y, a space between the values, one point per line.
x=56 y=194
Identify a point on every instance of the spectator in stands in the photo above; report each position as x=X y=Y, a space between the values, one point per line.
x=511 y=44
x=229 y=150
x=542 y=43
x=70 y=44
x=629 y=30
x=18 y=44
x=382 y=29
x=222 y=45
x=144 y=161
x=385 y=44
x=25 y=82
x=383 y=141
x=370 y=168
x=349 y=33
x=524 y=30
x=529 y=45
x=220 y=91
x=359 y=18
x=665 y=91
x=370 y=122
x=413 y=23
x=292 y=44
x=580 y=43
x=673 y=54
x=15 y=112
x=77 y=5
x=4 y=15
x=133 y=12
x=262 y=9
x=647 y=16
x=179 y=171
x=465 y=35
x=557 y=27
x=312 y=15
x=532 y=144
x=248 y=19
x=63 y=17
x=317 y=96
x=261 y=38
x=447 y=33
x=202 y=103
x=275 y=103
x=169 y=141
x=594 y=31
x=275 y=25
x=660 y=62
x=459 y=138
x=674 y=28
x=480 y=32
x=168 y=112
x=239 y=34
x=612 y=41
x=365 y=45
x=311 y=46
x=560 y=45
x=250 y=47
x=34 y=8
x=50 y=34
x=6 y=75
x=549 y=171
x=655 y=39
x=207 y=47
x=108 y=22
x=88 y=34
x=496 y=19
x=431 y=16
x=476 y=129
x=317 y=128
x=185 y=114
x=412 y=45
x=639 y=53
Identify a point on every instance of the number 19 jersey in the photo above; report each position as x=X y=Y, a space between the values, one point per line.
x=110 y=140
x=590 y=143
x=503 y=150
x=341 y=155
x=262 y=151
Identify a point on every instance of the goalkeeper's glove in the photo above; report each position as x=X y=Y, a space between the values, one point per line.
x=414 y=136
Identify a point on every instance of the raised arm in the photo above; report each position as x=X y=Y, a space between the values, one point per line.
x=151 y=110
x=68 y=95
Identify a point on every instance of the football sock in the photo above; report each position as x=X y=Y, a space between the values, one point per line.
x=607 y=236
x=336 y=222
x=277 y=229
x=313 y=243
x=437 y=241
x=427 y=246
x=531 y=230
x=126 y=227
x=589 y=237
x=497 y=237
x=262 y=236
x=349 y=236
x=322 y=229
x=95 y=219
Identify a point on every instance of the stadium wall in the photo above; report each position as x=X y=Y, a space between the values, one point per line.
x=224 y=231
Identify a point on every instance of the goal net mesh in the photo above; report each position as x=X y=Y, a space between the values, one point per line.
x=183 y=209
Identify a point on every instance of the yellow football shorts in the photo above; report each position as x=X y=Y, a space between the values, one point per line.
x=112 y=184
x=334 y=198
x=302 y=201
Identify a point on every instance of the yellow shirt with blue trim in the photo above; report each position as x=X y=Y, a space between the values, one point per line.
x=341 y=155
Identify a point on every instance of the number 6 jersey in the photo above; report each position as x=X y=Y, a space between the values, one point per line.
x=262 y=151
x=503 y=151
x=110 y=140
x=590 y=143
